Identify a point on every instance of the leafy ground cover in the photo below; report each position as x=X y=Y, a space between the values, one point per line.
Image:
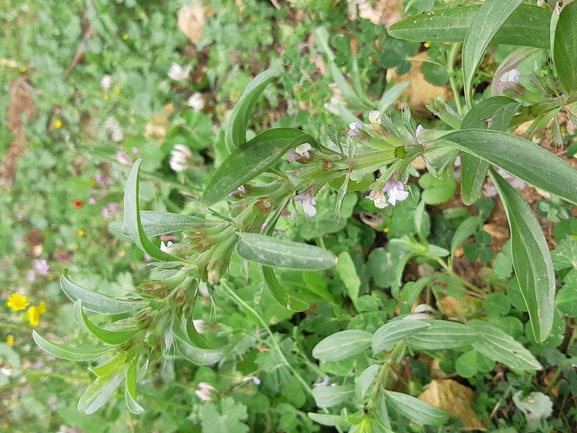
x=360 y=271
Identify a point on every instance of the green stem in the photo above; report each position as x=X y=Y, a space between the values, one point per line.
x=274 y=343
x=464 y=282
x=450 y=64
x=418 y=59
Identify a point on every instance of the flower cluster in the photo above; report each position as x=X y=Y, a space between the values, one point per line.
x=17 y=302
x=395 y=191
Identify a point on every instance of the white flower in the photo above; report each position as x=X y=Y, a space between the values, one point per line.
x=254 y=379
x=378 y=197
x=106 y=82
x=355 y=125
x=375 y=117
x=204 y=390
x=180 y=157
x=177 y=73
x=116 y=135
x=299 y=152
x=196 y=101
x=308 y=203
x=200 y=325
x=511 y=76
x=396 y=191
x=165 y=248
x=324 y=382
x=419 y=130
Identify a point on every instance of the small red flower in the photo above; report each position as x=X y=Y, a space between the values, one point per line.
x=78 y=204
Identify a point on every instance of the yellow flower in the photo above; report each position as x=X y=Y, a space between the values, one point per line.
x=80 y=232
x=22 y=69
x=42 y=307
x=58 y=124
x=427 y=44
x=17 y=302
x=34 y=316
x=124 y=36
x=10 y=340
x=105 y=97
x=117 y=90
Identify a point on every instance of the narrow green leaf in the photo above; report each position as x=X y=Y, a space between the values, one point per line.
x=330 y=420
x=97 y=302
x=519 y=157
x=192 y=352
x=278 y=293
x=531 y=258
x=501 y=347
x=132 y=223
x=422 y=221
x=464 y=231
x=349 y=94
x=250 y=160
x=329 y=396
x=271 y=251
x=396 y=331
x=494 y=113
x=70 y=353
x=442 y=335
x=527 y=26
x=346 y=269
x=235 y=132
x=490 y=17
x=104 y=335
x=130 y=388
x=415 y=409
x=342 y=345
x=565 y=47
x=391 y=95
x=101 y=389
x=365 y=380
x=160 y=223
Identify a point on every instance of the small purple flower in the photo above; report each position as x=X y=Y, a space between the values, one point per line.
x=102 y=180
x=324 y=382
x=136 y=152
x=300 y=152
x=308 y=202
x=396 y=191
x=41 y=266
x=31 y=276
x=109 y=210
x=204 y=390
x=458 y=161
x=123 y=158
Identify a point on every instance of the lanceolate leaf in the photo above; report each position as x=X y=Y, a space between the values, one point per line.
x=342 y=345
x=442 y=335
x=193 y=353
x=101 y=389
x=531 y=258
x=278 y=293
x=565 y=47
x=132 y=223
x=494 y=113
x=396 y=331
x=271 y=251
x=491 y=16
x=501 y=347
x=527 y=26
x=464 y=231
x=160 y=223
x=415 y=409
x=130 y=388
x=328 y=396
x=70 y=353
x=104 y=335
x=250 y=160
x=97 y=302
x=521 y=158
x=235 y=133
